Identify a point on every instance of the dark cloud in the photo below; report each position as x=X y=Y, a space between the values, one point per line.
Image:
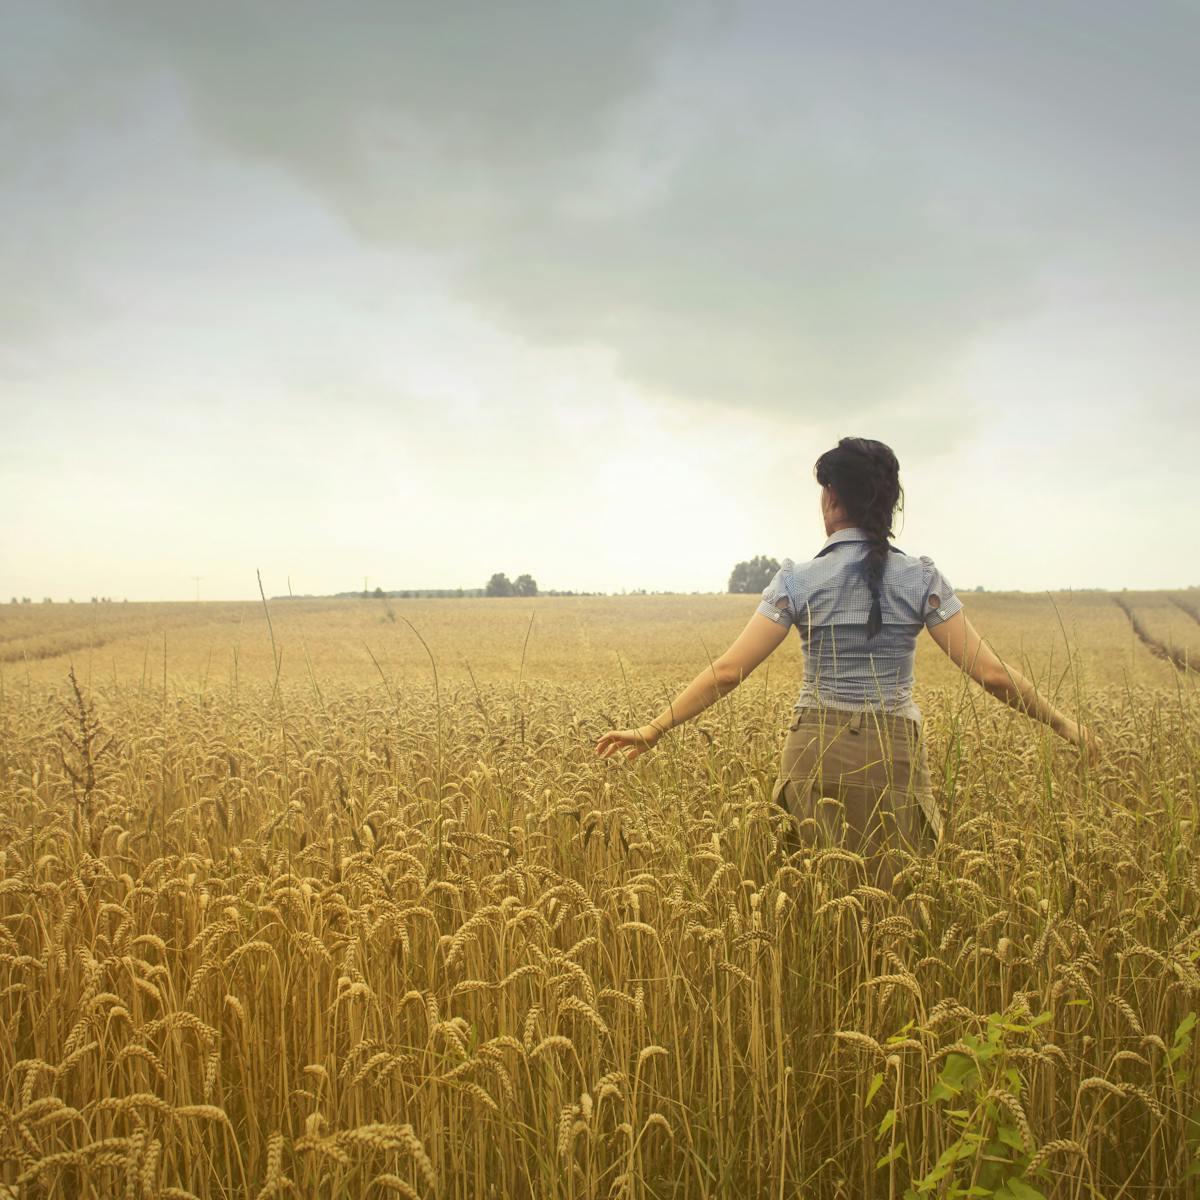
x=426 y=120
x=769 y=204
x=788 y=275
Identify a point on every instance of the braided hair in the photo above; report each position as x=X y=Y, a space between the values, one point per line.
x=865 y=477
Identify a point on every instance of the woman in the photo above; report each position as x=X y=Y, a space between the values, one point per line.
x=854 y=770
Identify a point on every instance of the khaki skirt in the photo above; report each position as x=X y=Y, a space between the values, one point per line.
x=859 y=781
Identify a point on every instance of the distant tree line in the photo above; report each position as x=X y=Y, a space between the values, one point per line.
x=748 y=577
x=499 y=585
x=50 y=600
x=415 y=593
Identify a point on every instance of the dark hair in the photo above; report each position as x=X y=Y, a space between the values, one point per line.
x=865 y=477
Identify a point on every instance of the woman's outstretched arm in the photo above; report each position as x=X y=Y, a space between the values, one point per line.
x=962 y=643
x=760 y=637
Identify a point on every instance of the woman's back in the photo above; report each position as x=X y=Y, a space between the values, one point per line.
x=828 y=599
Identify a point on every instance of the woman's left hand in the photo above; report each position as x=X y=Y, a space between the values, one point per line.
x=634 y=741
x=1090 y=746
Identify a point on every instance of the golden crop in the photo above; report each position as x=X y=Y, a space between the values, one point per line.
x=349 y=907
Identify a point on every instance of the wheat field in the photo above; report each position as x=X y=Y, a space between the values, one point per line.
x=334 y=899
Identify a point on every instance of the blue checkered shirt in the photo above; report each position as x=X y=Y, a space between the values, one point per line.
x=828 y=600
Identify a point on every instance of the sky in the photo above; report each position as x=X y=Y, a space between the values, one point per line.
x=417 y=292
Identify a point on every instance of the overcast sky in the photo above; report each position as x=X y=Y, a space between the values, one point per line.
x=423 y=291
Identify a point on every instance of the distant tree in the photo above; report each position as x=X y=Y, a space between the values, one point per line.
x=754 y=575
x=378 y=593
x=26 y=600
x=47 y=600
x=525 y=585
x=14 y=599
x=499 y=585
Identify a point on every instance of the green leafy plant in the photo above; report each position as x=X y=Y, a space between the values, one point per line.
x=981 y=1090
x=1181 y=1077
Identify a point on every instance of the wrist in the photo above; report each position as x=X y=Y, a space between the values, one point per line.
x=656 y=729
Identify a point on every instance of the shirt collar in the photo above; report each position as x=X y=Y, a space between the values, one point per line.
x=852 y=533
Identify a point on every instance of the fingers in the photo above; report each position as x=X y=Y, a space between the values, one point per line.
x=620 y=739
x=1090 y=746
x=610 y=742
x=614 y=747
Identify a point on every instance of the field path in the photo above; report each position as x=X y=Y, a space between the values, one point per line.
x=1187 y=609
x=1157 y=648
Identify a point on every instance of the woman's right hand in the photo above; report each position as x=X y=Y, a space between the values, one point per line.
x=634 y=742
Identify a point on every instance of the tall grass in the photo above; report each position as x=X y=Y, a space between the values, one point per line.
x=363 y=941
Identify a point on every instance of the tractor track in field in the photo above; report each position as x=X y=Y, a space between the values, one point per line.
x=1167 y=653
x=1188 y=609
x=10 y=654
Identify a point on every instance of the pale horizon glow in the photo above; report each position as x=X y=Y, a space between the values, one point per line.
x=420 y=294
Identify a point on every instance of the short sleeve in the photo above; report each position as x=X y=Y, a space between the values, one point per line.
x=940 y=601
x=779 y=597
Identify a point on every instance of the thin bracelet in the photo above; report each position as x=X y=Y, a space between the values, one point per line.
x=654 y=725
